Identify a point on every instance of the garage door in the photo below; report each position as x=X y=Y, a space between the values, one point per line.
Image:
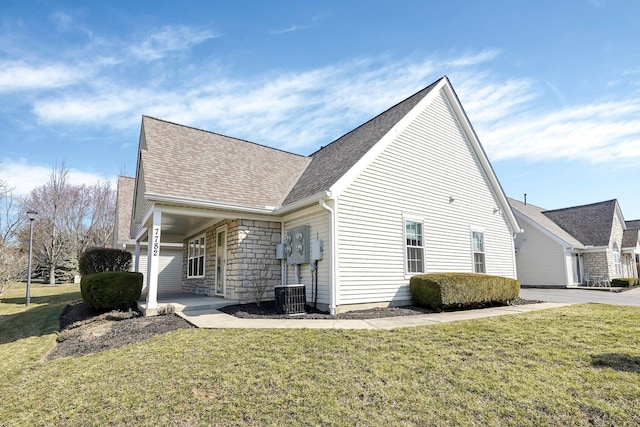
x=169 y=270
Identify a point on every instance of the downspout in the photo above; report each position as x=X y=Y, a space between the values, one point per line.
x=283 y=262
x=333 y=265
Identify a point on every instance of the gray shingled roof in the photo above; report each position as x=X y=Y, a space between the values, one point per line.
x=184 y=162
x=536 y=214
x=123 y=207
x=590 y=224
x=633 y=223
x=630 y=238
x=330 y=163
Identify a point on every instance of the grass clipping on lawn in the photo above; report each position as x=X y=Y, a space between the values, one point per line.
x=577 y=365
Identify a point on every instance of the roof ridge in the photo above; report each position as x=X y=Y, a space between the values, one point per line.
x=582 y=206
x=223 y=135
x=428 y=88
x=526 y=204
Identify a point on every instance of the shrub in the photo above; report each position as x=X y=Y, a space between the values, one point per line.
x=445 y=290
x=98 y=260
x=624 y=282
x=114 y=290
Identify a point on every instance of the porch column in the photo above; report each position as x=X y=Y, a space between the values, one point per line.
x=153 y=261
x=136 y=261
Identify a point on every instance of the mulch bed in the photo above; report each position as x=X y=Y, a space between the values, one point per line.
x=267 y=310
x=83 y=332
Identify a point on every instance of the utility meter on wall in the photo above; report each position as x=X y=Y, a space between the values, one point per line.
x=297 y=245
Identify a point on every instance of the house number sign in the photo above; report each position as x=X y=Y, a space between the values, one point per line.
x=156 y=241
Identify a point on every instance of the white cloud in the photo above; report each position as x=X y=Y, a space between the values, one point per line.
x=601 y=132
x=62 y=20
x=22 y=177
x=299 y=111
x=169 y=40
x=18 y=75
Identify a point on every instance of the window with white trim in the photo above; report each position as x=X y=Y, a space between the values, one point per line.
x=477 y=238
x=617 y=260
x=414 y=246
x=195 y=257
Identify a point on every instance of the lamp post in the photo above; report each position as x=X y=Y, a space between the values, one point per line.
x=31 y=215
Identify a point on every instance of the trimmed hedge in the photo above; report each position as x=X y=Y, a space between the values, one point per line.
x=624 y=282
x=113 y=290
x=98 y=260
x=446 y=290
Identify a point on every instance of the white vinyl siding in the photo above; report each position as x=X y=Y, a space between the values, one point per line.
x=426 y=164
x=318 y=219
x=169 y=269
x=541 y=260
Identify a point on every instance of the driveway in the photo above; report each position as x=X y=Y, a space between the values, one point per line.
x=574 y=296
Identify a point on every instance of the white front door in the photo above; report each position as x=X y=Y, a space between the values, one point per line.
x=221 y=260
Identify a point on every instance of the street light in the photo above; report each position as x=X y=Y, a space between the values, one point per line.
x=31 y=215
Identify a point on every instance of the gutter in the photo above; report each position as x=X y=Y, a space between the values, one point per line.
x=333 y=267
x=281 y=210
x=208 y=205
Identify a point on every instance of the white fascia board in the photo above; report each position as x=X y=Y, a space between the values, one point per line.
x=618 y=212
x=473 y=139
x=206 y=204
x=343 y=183
x=138 y=177
x=594 y=248
x=140 y=234
x=566 y=245
x=303 y=203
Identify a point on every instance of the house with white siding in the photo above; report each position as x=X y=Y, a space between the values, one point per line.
x=410 y=191
x=579 y=245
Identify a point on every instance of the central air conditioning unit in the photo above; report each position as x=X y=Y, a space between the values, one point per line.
x=290 y=299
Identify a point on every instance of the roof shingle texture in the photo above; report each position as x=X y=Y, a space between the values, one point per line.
x=193 y=164
x=630 y=238
x=633 y=224
x=590 y=224
x=536 y=214
x=124 y=204
x=330 y=163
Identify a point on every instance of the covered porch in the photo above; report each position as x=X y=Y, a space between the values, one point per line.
x=224 y=253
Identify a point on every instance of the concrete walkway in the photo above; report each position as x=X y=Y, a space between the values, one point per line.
x=214 y=319
x=583 y=295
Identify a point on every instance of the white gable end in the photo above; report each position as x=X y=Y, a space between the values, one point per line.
x=429 y=171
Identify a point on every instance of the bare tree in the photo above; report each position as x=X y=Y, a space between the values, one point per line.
x=13 y=266
x=101 y=218
x=71 y=219
x=51 y=240
x=12 y=259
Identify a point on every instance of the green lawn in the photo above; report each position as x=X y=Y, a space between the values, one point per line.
x=578 y=365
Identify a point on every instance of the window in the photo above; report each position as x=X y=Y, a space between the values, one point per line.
x=478 y=252
x=195 y=263
x=617 y=260
x=415 y=246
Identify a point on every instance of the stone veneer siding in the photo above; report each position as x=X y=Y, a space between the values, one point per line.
x=603 y=263
x=595 y=263
x=251 y=256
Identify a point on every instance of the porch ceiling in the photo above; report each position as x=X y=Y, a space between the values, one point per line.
x=182 y=225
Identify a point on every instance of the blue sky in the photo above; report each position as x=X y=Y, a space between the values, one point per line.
x=551 y=87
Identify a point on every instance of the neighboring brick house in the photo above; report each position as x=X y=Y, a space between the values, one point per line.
x=407 y=192
x=580 y=245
